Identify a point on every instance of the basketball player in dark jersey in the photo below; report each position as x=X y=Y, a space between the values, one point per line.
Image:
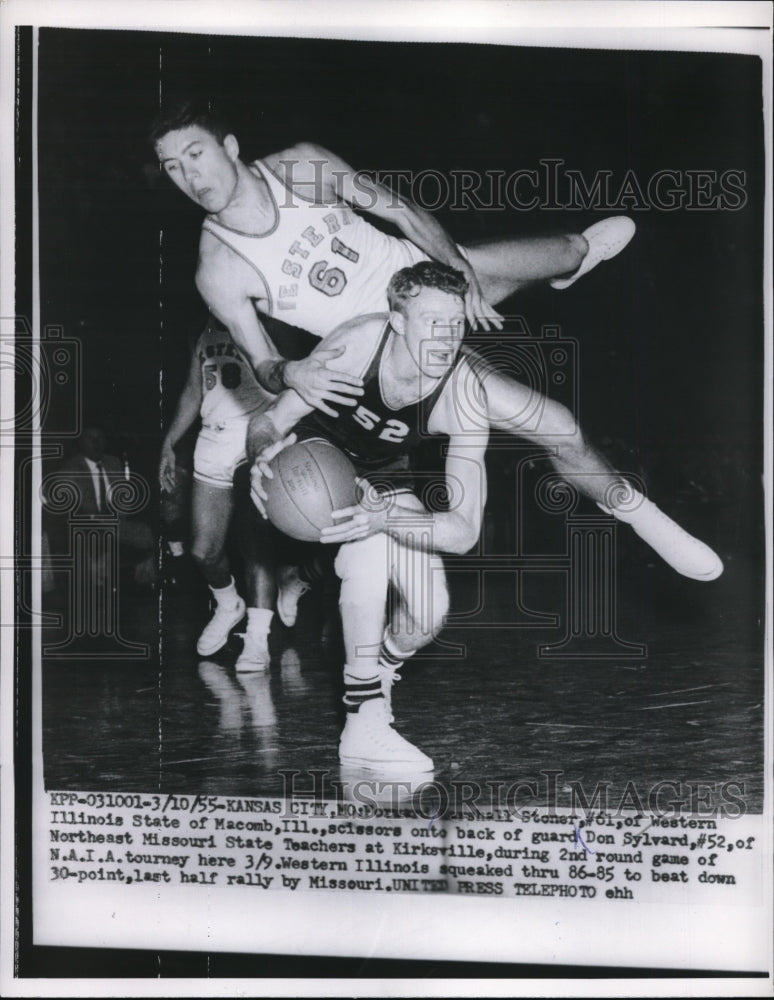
x=413 y=383
x=416 y=382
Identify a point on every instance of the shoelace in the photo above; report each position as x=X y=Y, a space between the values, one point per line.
x=391 y=675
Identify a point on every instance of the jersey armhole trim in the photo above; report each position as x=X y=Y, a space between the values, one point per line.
x=250 y=263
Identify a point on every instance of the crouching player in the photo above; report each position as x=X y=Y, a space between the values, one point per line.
x=415 y=383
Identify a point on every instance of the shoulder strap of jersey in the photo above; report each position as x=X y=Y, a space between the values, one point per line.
x=429 y=402
x=376 y=358
x=278 y=185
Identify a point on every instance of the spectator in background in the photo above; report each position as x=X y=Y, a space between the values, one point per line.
x=94 y=473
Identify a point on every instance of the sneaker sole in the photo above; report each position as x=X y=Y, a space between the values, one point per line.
x=710 y=575
x=250 y=668
x=392 y=768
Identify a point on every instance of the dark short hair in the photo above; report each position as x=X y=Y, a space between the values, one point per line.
x=409 y=282
x=184 y=114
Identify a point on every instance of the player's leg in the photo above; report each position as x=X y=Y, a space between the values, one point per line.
x=421 y=608
x=368 y=741
x=211 y=509
x=419 y=579
x=364 y=571
x=522 y=411
x=257 y=541
x=507 y=264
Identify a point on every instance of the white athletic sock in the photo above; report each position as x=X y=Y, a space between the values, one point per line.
x=259 y=620
x=390 y=657
x=632 y=502
x=359 y=689
x=226 y=596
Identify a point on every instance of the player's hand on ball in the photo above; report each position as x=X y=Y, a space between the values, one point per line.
x=262 y=470
x=355 y=523
x=318 y=383
x=167 y=468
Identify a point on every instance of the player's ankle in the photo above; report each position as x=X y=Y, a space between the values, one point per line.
x=226 y=596
x=625 y=502
x=259 y=620
x=578 y=247
x=359 y=689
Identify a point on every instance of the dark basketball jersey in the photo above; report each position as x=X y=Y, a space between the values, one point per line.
x=376 y=437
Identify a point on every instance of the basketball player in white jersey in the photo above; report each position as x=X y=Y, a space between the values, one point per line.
x=221 y=388
x=280 y=237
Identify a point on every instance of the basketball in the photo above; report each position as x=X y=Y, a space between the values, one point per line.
x=311 y=479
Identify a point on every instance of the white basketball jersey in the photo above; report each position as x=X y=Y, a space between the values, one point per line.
x=229 y=386
x=320 y=265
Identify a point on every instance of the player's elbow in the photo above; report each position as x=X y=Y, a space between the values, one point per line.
x=464 y=537
x=408 y=217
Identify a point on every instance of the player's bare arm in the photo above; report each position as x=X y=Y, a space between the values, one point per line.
x=186 y=412
x=317 y=172
x=268 y=432
x=233 y=293
x=456 y=530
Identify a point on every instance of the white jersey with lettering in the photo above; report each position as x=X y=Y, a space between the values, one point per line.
x=320 y=265
x=229 y=387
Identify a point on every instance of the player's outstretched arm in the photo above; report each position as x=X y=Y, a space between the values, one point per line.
x=186 y=412
x=311 y=167
x=220 y=285
x=268 y=433
x=220 y=282
x=454 y=531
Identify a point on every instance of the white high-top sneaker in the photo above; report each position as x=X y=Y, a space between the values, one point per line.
x=605 y=239
x=255 y=652
x=684 y=553
x=215 y=634
x=369 y=742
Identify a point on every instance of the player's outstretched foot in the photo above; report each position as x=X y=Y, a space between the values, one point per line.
x=605 y=239
x=291 y=589
x=255 y=653
x=369 y=742
x=215 y=635
x=683 y=552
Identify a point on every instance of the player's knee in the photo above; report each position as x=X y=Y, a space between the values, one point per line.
x=206 y=553
x=363 y=568
x=433 y=607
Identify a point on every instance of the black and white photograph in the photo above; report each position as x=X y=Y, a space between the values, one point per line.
x=386 y=488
